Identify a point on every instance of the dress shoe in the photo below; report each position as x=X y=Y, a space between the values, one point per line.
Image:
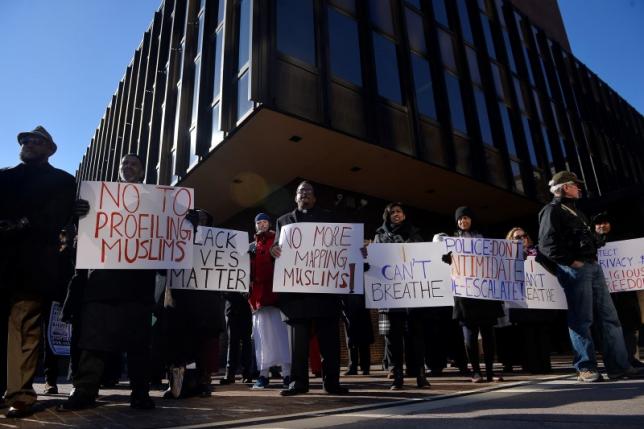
x=351 y=371
x=336 y=390
x=76 y=402
x=50 y=389
x=227 y=380
x=143 y=402
x=292 y=391
x=421 y=382
x=247 y=380
x=18 y=410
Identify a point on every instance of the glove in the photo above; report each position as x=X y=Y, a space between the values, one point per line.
x=193 y=217
x=447 y=258
x=81 y=208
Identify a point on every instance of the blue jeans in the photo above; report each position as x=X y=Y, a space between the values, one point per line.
x=589 y=300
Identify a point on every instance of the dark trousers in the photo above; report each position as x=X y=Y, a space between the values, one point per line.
x=94 y=363
x=395 y=339
x=507 y=339
x=4 y=317
x=359 y=354
x=536 y=347
x=326 y=330
x=630 y=341
x=436 y=341
x=239 y=328
x=471 y=335
x=50 y=360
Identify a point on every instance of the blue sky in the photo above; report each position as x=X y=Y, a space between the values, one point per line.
x=62 y=61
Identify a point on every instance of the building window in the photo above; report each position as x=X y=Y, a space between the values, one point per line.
x=380 y=13
x=516 y=175
x=440 y=12
x=344 y=47
x=415 y=33
x=500 y=82
x=244 y=104
x=219 y=39
x=244 y=33
x=295 y=29
x=487 y=33
x=387 y=76
x=217 y=134
x=508 y=50
x=466 y=28
x=473 y=65
x=455 y=103
x=195 y=91
x=484 y=120
x=528 y=140
x=447 y=50
x=423 y=86
x=507 y=130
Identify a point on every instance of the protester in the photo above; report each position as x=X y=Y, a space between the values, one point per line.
x=626 y=303
x=533 y=327
x=358 y=333
x=36 y=202
x=193 y=322
x=270 y=333
x=476 y=315
x=239 y=326
x=309 y=312
x=115 y=316
x=569 y=245
x=400 y=321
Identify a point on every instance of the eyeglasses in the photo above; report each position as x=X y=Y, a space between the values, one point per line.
x=519 y=237
x=33 y=140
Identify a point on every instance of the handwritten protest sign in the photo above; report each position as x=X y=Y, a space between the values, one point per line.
x=220 y=263
x=131 y=225
x=485 y=268
x=59 y=333
x=320 y=258
x=542 y=289
x=623 y=264
x=405 y=275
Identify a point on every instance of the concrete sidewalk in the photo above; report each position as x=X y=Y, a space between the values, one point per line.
x=239 y=404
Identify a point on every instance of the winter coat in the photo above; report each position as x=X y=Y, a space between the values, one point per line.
x=565 y=235
x=306 y=306
x=261 y=271
x=116 y=309
x=29 y=256
x=470 y=311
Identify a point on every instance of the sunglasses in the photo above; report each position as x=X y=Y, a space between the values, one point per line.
x=519 y=237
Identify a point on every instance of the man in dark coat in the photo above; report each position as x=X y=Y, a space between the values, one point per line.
x=115 y=316
x=569 y=243
x=307 y=312
x=36 y=202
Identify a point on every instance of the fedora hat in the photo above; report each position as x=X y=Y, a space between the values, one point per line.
x=40 y=132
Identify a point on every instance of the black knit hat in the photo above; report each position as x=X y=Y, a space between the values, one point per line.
x=463 y=211
x=600 y=218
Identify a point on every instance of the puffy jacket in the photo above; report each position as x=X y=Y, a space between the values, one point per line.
x=261 y=268
x=565 y=235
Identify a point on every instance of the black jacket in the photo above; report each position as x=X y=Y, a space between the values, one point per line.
x=29 y=256
x=402 y=233
x=471 y=311
x=298 y=306
x=565 y=235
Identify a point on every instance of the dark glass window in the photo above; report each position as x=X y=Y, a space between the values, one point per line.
x=219 y=37
x=455 y=103
x=348 y=5
x=387 y=77
x=466 y=29
x=415 y=31
x=487 y=33
x=244 y=33
x=528 y=139
x=508 y=49
x=344 y=47
x=195 y=91
x=519 y=91
x=447 y=50
x=484 y=120
x=545 y=77
x=217 y=135
x=507 y=130
x=440 y=13
x=243 y=95
x=537 y=103
x=472 y=63
x=423 y=86
x=380 y=13
x=516 y=175
x=500 y=81
x=415 y=3
x=546 y=144
x=200 y=34
x=295 y=35
x=528 y=65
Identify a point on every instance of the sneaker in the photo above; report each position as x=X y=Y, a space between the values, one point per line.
x=398 y=383
x=76 y=402
x=142 y=402
x=588 y=376
x=351 y=371
x=261 y=383
x=477 y=378
x=227 y=380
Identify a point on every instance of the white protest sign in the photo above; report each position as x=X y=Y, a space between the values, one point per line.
x=403 y=275
x=623 y=264
x=320 y=258
x=542 y=289
x=486 y=268
x=59 y=333
x=220 y=263
x=131 y=225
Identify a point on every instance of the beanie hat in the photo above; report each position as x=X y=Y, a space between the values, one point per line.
x=262 y=216
x=463 y=211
